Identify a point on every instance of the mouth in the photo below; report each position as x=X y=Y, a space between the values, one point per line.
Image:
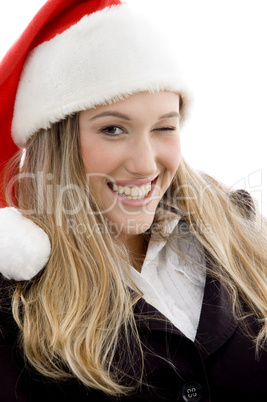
x=133 y=192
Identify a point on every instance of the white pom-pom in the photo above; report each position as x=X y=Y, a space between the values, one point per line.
x=24 y=247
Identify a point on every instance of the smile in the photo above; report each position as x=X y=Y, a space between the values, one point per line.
x=132 y=193
x=129 y=191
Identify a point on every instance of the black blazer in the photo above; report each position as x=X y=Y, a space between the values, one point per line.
x=220 y=366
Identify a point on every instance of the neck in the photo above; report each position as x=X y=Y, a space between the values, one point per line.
x=136 y=246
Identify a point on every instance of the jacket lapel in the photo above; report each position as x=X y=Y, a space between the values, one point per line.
x=148 y=317
x=217 y=323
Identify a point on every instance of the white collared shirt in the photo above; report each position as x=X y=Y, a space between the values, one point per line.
x=172 y=284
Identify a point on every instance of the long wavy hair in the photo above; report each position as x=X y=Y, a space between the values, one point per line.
x=74 y=315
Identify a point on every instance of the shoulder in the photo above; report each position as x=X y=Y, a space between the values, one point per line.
x=244 y=203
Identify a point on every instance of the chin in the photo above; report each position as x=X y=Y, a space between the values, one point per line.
x=130 y=226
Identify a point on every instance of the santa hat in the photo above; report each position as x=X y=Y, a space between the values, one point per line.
x=74 y=55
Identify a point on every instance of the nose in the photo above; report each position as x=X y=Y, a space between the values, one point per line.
x=142 y=156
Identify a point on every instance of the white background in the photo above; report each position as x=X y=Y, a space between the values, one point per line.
x=223 y=50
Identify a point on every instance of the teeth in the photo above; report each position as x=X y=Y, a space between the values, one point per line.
x=132 y=193
x=135 y=192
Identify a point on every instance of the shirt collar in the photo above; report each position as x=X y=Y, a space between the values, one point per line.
x=156 y=244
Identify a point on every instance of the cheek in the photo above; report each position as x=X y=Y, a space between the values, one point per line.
x=171 y=155
x=97 y=158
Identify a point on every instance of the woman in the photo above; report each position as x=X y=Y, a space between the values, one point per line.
x=126 y=275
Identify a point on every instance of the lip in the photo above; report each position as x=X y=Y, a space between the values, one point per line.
x=133 y=183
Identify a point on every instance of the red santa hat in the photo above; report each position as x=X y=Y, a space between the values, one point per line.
x=77 y=54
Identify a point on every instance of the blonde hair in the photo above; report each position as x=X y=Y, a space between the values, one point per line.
x=76 y=313
x=234 y=234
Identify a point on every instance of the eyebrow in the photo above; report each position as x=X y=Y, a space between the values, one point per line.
x=114 y=114
x=168 y=115
x=125 y=117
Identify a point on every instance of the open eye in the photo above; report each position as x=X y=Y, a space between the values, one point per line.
x=112 y=131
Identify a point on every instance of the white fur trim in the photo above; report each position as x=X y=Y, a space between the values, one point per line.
x=106 y=56
x=24 y=246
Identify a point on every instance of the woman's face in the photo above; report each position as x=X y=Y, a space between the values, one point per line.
x=131 y=151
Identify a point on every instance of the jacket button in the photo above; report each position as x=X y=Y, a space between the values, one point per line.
x=192 y=391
